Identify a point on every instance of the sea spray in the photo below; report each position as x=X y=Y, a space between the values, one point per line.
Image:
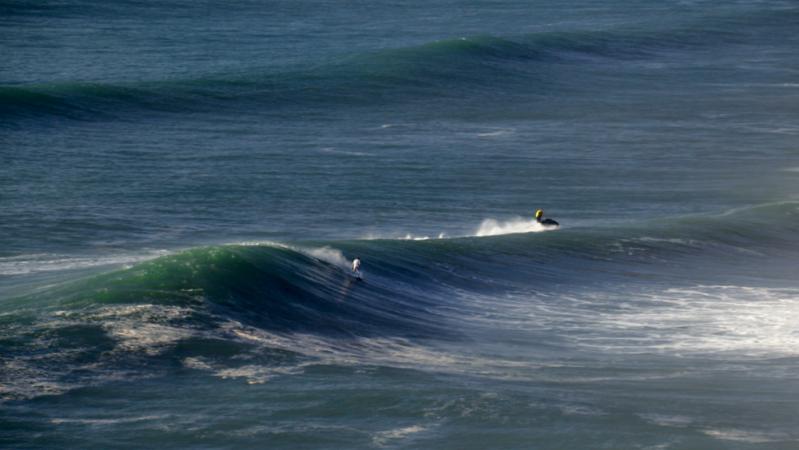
x=493 y=227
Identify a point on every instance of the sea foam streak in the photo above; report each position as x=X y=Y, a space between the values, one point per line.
x=492 y=227
x=44 y=262
x=488 y=227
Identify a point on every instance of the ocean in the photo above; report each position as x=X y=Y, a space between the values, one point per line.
x=184 y=186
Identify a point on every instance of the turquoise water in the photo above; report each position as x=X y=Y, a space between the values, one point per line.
x=183 y=186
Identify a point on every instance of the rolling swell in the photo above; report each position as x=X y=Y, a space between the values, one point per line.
x=444 y=69
x=227 y=309
x=439 y=69
x=299 y=286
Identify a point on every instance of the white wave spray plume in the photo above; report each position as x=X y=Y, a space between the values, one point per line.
x=492 y=227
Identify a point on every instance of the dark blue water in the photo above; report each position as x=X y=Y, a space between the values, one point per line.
x=183 y=186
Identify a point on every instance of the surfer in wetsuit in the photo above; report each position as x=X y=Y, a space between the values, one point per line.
x=539 y=217
x=356 y=267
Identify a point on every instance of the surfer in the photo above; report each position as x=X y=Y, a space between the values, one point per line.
x=539 y=217
x=356 y=267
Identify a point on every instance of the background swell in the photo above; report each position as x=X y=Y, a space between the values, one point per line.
x=479 y=66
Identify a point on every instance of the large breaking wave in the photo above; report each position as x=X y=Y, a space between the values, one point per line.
x=258 y=310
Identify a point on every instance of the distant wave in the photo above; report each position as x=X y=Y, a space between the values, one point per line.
x=447 y=68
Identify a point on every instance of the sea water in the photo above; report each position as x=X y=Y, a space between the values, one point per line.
x=184 y=184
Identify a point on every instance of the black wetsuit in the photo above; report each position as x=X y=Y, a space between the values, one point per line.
x=547 y=222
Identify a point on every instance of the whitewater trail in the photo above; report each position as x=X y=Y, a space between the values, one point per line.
x=488 y=227
x=492 y=227
x=25 y=264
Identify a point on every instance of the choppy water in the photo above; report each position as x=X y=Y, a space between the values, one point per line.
x=184 y=184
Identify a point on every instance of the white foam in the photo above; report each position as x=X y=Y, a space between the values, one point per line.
x=196 y=363
x=327 y=254
x=393 y=352
x=58 y=421
x=499 y=132
x=705 y=320
x=411 y=237
x=260 y=244
x=33 y=388
x=383 y=437
x=752 y=437
x=745 y=321
x=688 y=242
x=252 y=373
x=45 y=262
x=255 y=374
x=492 y=227
x=143 y=328
x=782 y=130
x=580 y=410
x=667 y=420
x=488 y=227
x=748 y=209
x=150 y=338
x=333 y=150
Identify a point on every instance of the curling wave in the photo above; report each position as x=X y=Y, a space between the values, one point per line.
x=260 y=309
